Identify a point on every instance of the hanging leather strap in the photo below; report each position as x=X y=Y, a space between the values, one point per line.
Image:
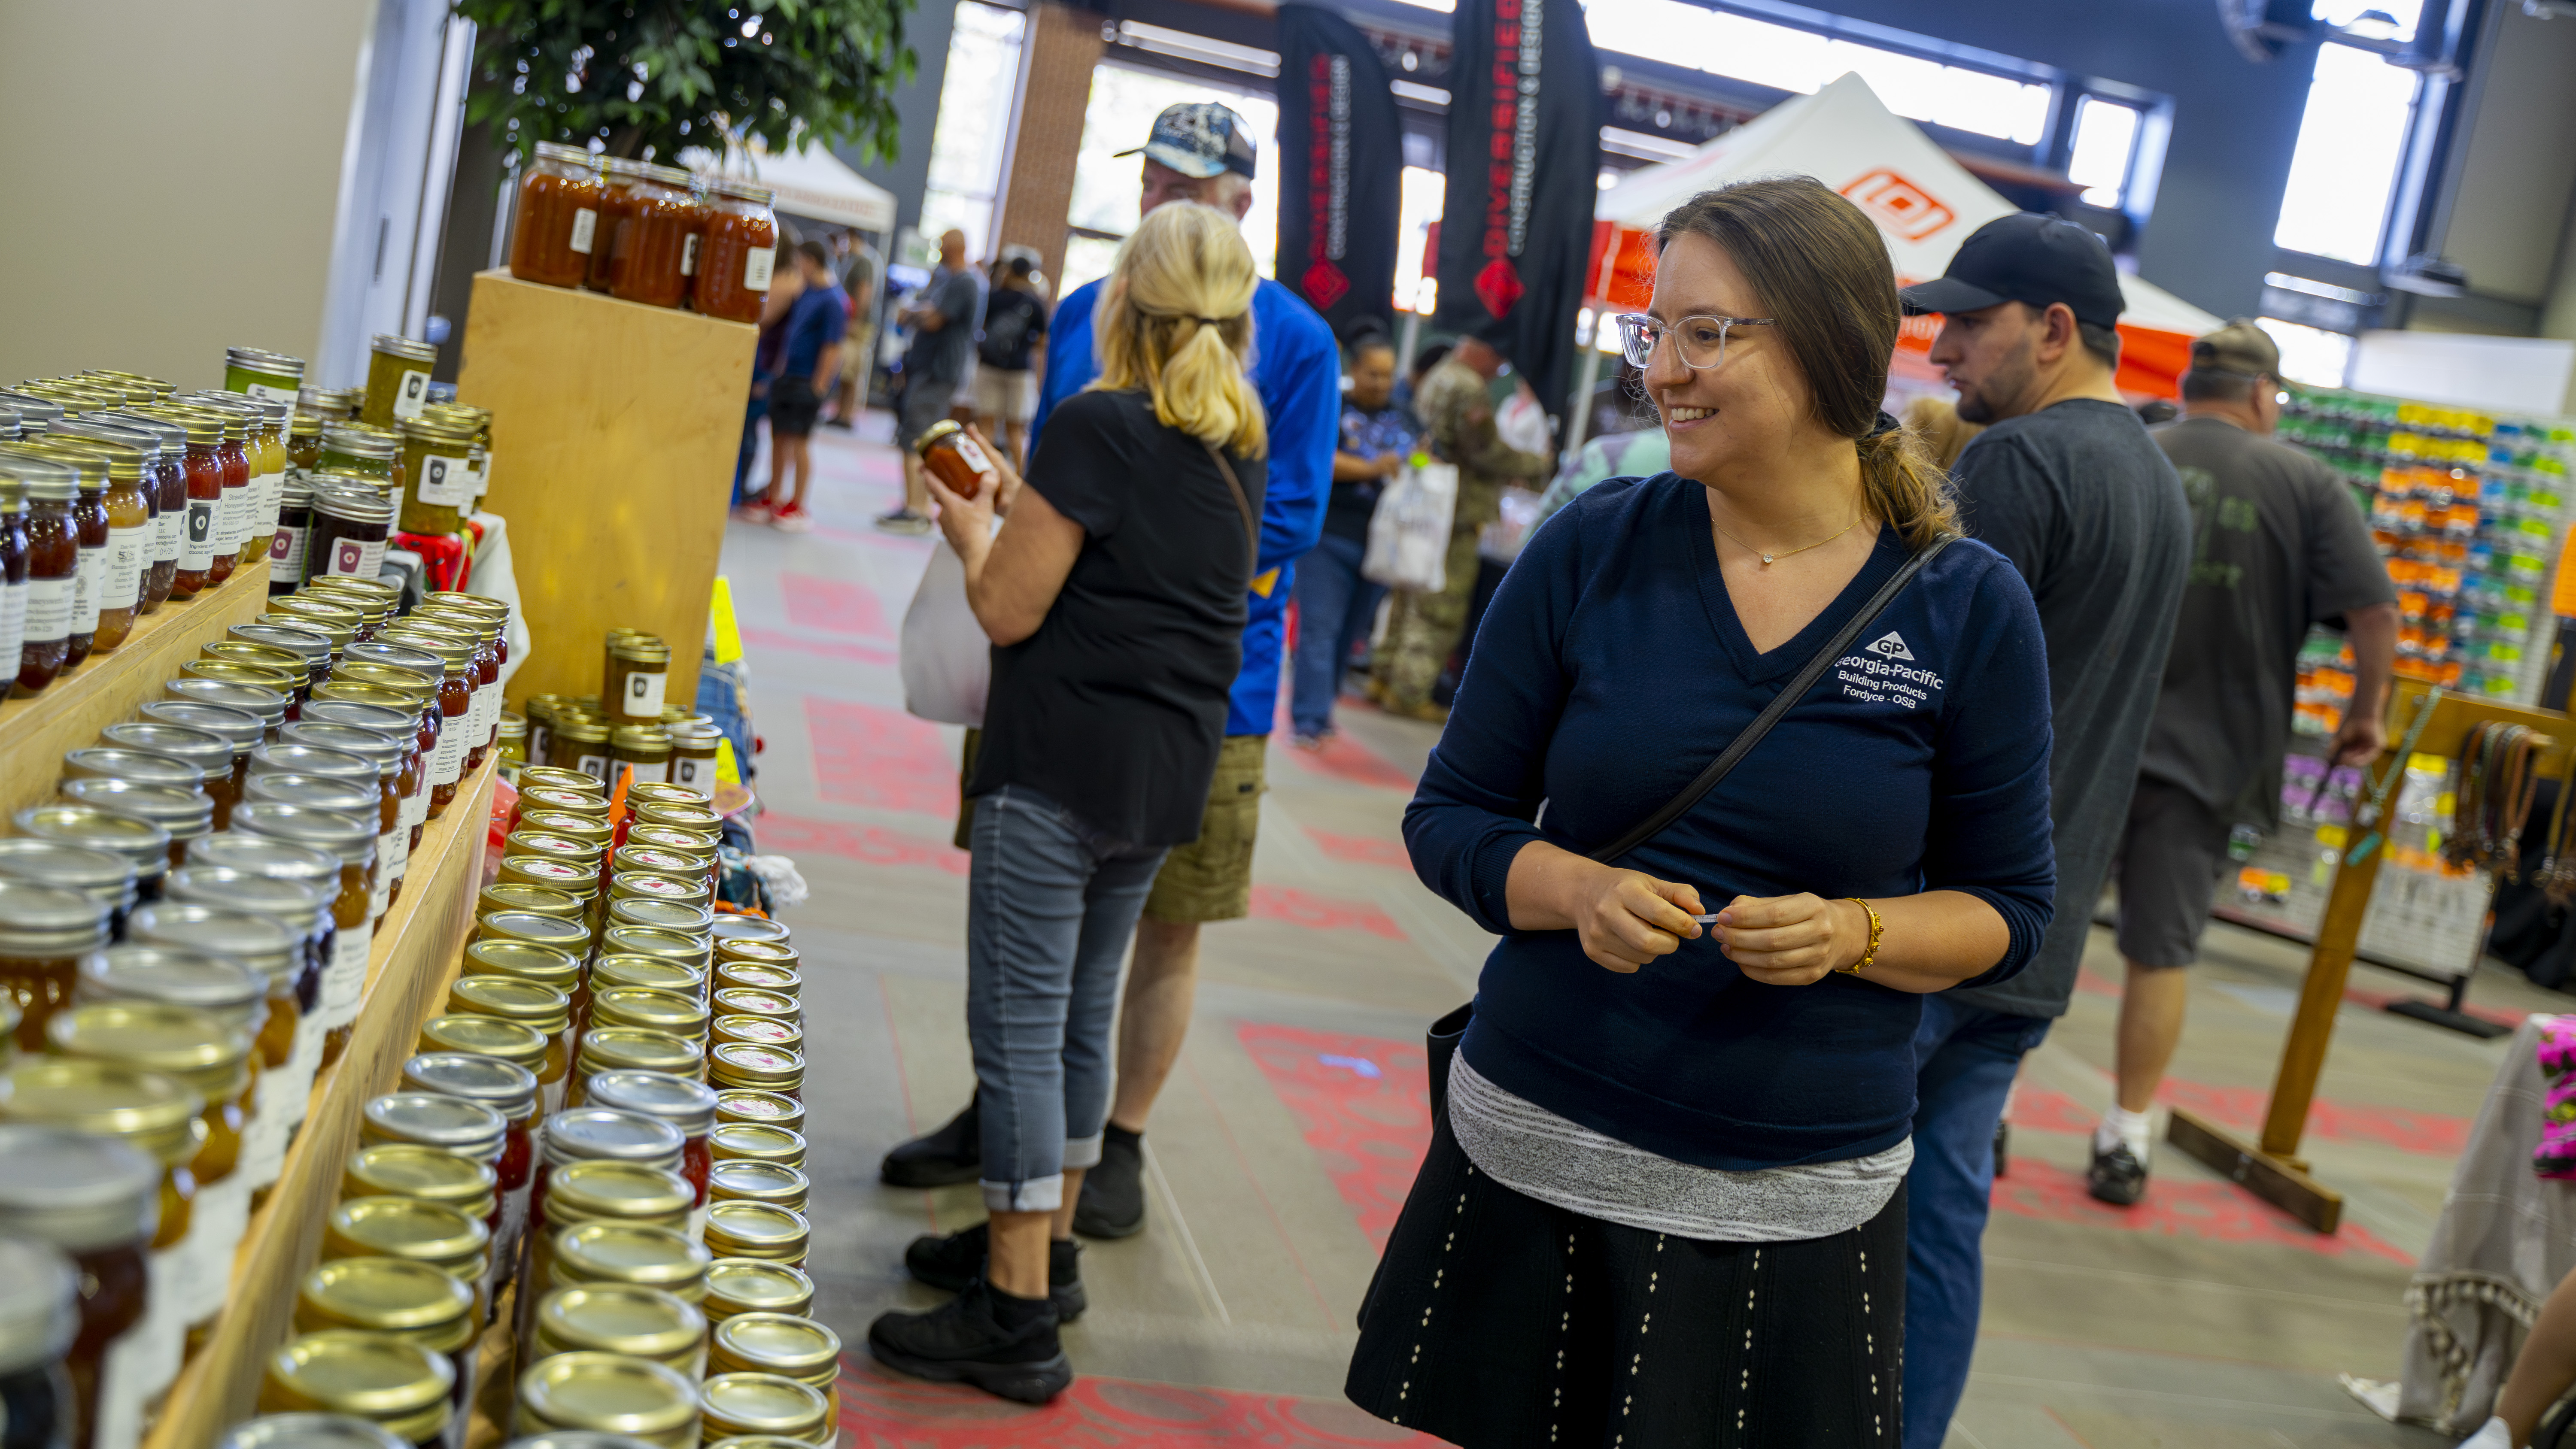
x=1796 y=689
x=1243 y=504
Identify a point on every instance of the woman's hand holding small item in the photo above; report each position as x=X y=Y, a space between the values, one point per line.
x=1791 y=940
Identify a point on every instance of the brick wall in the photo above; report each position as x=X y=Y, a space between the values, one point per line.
x=1064 y=47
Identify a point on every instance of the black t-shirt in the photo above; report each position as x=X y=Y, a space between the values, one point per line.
x=1013 y=322
x=1115 y=707
x=2086 y=507
x=2277 y=546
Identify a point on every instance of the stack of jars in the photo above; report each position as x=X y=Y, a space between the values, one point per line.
x=644 y=233
x=637 y=730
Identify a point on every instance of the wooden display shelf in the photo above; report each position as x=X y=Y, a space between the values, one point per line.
x=35 y=731
x=614 y=431
x=416 y=951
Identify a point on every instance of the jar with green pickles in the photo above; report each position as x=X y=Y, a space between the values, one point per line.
x=438 y=489
x=398 y=371
x=361 y=451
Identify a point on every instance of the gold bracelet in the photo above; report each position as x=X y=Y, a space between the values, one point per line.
x=1869 y=957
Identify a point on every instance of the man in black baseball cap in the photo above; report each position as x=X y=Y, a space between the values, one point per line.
x=2066 y=484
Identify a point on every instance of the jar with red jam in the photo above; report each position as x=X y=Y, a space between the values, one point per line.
x=508 y=1090
x=202 y=565
x=649 y=256
x=599 y=1134
x=740 y=252
x=617 y=178
x=455 y=702
x=53 y=568
x=558 y=225
x=688 y=1106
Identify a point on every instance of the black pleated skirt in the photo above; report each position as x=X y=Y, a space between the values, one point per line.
x=1497 y=1321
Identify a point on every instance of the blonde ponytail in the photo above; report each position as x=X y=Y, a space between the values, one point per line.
x=1176 y=322
x=1906 y=487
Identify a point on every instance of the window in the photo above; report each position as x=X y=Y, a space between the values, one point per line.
x=1418 y=208
x=1119 y=116
x=2106 y=137
x=974 y=124
x=2351 y=142
x=1786 y=58
x=2310 y=355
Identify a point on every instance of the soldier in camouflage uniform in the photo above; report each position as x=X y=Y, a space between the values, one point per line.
x=1457 y=414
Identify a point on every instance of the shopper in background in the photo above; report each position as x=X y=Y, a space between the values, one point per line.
x=856 y=265
x=2277 y=547
x=1199 y=152
x=768 y=355
x=1666 y=1198
x=1456 y=405
x=1335 y=605
x=1012 y=344
x=1410 y=387
x=1114 y=595
x=810 y=359
x=2066 y=484
x=943 y=318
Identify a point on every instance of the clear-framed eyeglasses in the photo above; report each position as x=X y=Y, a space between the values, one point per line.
x=1700 y=342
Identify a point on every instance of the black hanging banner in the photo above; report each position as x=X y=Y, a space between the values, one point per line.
x=1342 y=162
x=1525 y=118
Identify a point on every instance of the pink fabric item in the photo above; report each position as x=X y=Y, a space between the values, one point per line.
x=2555 y=1156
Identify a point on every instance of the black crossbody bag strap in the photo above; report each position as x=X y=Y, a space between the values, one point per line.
x=1795 y=690
x=1243 y=504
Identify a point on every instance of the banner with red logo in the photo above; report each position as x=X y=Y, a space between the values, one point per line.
x=1342 y=157
x=1525 y=117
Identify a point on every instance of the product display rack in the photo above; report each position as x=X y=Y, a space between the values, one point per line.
x=418 y=947
x=36 y=729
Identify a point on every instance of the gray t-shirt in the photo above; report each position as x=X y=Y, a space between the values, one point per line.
x=2083 y=503
x=940 y=356
x=2277 y=545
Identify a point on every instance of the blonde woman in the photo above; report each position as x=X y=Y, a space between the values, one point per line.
x=1114 y=596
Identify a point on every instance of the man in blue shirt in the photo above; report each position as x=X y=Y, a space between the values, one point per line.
x=1203 y=153
x=810 y=360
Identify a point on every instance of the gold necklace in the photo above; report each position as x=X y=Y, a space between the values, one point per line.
x=1767 y=558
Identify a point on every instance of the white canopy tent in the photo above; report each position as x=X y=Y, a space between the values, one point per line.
x=812 y=182
x=1925 y=204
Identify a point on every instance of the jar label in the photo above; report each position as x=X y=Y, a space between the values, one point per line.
x=286 y=552
x=755 y=268
x=229 y=519
x=221 y=1218
x=272 y=498
x=595 y=766
x=381 y=894
x=125 y=566
x=49 y=610
x=346 y=978
x=412 y=396
x=696 y=774
x=266 y=392
x=415 y=808
x=13 y=619
x=449 y=762
x=443 y=483
x=198 y=549
x=393 y=850
x=169 y=535
x=644 y=694
x=123 y=1372
x=86 y=584
x=689 y=254
x=356 y=558
x=585 y=225
x=477 y=474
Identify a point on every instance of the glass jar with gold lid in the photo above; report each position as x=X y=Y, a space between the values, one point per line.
x=750 y=1180
x=307 y=1431
x=530 y=843
x=510 y=1090
x=759 y=976
x=598 y=1191
x=556 y=801
x=410 y=1301
x=768 y=1031
x=572 y=876
x=738 y=1286
x=758 y=1142
x=612 y=1048
x=353 y=841
x=528 y=961
x=691 y=920
x=510 y=737
x=434 y=1119
x=687 y=1105
x=616 y=1252
x=400 y=1386
x=650 y=971
x=610 y=1393
x=44 y=932
x=651 y=941
x=490 y=1036
x=751 y=1001
x=438 y=487
x=638 y=671
x=443 y=1237
x=752 y=1403
x=271 y=926
x=622 y=1318
x=748 y=1064
x=528 y=1003
x=654 y=1010
x=95 y=1200
x=740 y=1228
x=425 y=1174
x=541 y=777
x=637 y=885
x=571 y=937
x=533 y=899
x=584 y=827
x=643 y=749
x=578 y=742
x=773 y=1109
x=398 y=371
x=778 y=1341
x=184 y=814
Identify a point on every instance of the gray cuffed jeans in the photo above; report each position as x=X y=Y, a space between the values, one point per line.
x=1051 y=904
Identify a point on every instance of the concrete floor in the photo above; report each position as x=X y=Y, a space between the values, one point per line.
x=1285 y=1142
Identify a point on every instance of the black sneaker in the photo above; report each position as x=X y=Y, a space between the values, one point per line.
x=953 y=1262
x=962 y=1342
x=2117 y=1176
x=1113 y=1193
x=945 y=1158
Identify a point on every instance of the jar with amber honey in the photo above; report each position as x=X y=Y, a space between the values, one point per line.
x=101 y=875
x=166 y=479
x=740 y=252
x=398 y=371
x=558 y=221
x=94 y=1199
x=44 y=933
x=642 y=749
x=581 y=743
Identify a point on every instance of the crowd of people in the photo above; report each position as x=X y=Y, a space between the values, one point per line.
x=1737 y=1020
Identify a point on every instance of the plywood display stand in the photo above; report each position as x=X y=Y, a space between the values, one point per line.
x=614 y=432
x=36 y=730
x=417 y=947
x=2271 y=1168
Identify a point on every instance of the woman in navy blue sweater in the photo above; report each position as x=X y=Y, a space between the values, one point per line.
x=1664 y=1204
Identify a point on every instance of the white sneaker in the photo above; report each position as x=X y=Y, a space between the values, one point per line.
x=2493 y=1435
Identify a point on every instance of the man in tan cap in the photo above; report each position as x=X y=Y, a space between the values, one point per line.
x=2278 y=545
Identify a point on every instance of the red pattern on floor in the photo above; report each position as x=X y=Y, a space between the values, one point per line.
x=1362 y=1102
x=2430 y=1133
x=2212 y=1211
x=872 y=844
x=1362 y=849
x=836 y=605
x=1322 y=913
x=757 y=640
x=881 y=1409
x=881 y=758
